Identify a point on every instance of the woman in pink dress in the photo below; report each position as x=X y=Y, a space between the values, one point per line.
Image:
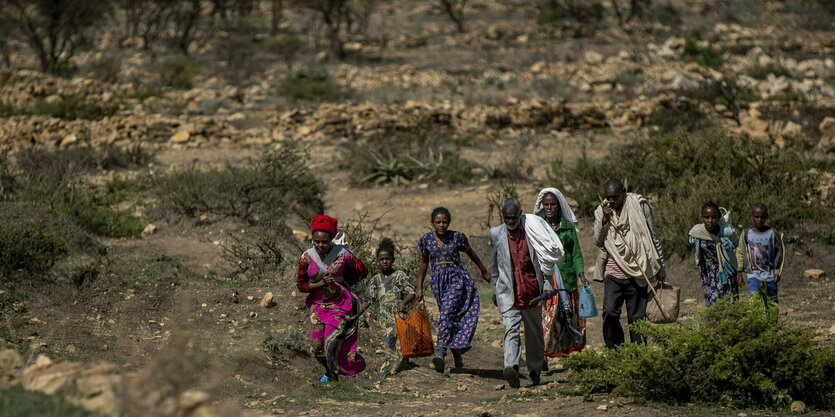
x=326 y=273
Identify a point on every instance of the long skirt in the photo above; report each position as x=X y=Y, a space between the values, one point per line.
x=333 y=330
x=458 y=305
x=555 y=343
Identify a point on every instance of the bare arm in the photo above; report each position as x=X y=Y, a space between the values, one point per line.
x=424 y=263
x=477 y=261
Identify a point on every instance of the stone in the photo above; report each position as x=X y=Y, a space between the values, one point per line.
x=11 y=367
x=181 y=136
x=832 y=329
x=792 y=129
x=593 y=57
x=603 y=407
x=68 y=140
x=798 y=407
x=149 y=230
x=814 y=273
x=689 y=301
x=267 y=301
x=827 y=127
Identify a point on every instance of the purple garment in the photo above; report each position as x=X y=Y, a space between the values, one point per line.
x=454 y=289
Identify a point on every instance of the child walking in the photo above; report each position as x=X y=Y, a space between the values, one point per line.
x=391 y=292
x=714 y=244
x=760 y=254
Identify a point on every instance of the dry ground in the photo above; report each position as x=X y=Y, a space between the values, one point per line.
x=173 y=290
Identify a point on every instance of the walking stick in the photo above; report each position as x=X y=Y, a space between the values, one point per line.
x=644 y=274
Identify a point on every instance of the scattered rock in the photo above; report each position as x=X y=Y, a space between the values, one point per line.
x=690 y=301
x=593 y=57
x=68 y=140
x=11 y=366
x=603 y=407
x=267 y=301
x=832 y=329
x=798 y=407
x=814 y=273
x=149 y=230
x=499 y=387
x=180 y=137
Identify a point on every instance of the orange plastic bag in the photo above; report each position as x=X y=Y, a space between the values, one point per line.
x=414 y=332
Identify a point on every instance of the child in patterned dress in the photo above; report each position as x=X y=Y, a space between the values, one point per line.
x=391 y=291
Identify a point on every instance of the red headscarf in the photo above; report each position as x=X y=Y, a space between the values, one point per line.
x=324 y=222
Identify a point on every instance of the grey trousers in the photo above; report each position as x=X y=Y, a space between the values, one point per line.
x=534 y=338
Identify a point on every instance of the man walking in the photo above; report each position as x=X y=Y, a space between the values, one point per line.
x=525 y=249
x=630 y=251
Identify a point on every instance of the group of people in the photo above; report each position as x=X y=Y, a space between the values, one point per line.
x=536 y=274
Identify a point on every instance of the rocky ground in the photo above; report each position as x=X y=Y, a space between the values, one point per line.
x=164 y=331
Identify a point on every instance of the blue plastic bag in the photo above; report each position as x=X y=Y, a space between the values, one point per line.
x=588 y=308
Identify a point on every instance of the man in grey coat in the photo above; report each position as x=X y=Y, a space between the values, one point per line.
x=524 y=250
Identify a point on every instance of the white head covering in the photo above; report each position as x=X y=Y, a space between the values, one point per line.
x=565 y=210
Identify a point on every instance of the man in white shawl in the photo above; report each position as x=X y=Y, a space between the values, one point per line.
x=626 y=260
x=525 y=250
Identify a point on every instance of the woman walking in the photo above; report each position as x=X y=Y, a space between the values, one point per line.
x=326 y=273
x=452 y=285
x=551 y=205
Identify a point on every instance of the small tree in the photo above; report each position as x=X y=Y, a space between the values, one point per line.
x=636 y=9
x=334 y=15
x=454 y=9
x=55 y=29
x=147 y=19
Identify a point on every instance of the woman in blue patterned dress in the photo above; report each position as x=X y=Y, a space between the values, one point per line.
x=714 y=245
x=452 y=285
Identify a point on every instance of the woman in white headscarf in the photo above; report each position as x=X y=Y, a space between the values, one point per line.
x=551 y=205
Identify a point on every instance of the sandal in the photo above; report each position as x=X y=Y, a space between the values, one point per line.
x=438 y=363
x=325 y=379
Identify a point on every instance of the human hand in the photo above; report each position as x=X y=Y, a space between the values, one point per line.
x=583 y=279
x=741 y=280
x=419 y=294
x=607 y=211
x=486 y=275
x=327 y=278
x=776 y=278
x=402 y=308
x=495 y=303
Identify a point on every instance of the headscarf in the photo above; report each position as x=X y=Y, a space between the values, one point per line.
x=565 y=210
x=324 y=222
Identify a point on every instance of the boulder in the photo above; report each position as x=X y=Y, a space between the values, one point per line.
x=11 y=365
x=814 y=273
x=267 y=301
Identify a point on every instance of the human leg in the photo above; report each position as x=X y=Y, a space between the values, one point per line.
x=771 y=290
x=534 y=343
x=636 y=306
x=512 y=346
x=612 y=302
x=753 y=286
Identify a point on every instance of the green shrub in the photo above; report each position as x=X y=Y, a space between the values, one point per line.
x=260 y=252
x=277 y=184
x=18 y=402
x=35 y=235
x=292 y=342
x=29 y=247
x=429 y=151
x=704 y=55
x=311 y=85
x=178 y=72
x=678 y=173
x=676 y=116
x=734 y=356
x=725 y=91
